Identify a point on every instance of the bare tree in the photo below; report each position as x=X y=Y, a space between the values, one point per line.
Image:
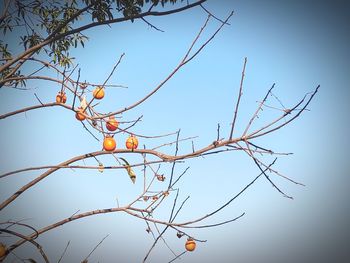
x=52 y=29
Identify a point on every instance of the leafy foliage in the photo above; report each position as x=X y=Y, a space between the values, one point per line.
x=35 y=23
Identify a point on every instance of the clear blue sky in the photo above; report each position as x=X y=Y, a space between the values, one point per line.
x=295 y=44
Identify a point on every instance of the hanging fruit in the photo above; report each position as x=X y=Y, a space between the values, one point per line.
x=98 y=93
x=61 y=97
x=190 y=244
x=79 y=115
x=109 y=144
x=112 y=124
x=132 y=142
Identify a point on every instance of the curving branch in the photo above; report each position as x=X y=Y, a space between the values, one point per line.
x=26 y=239
x=165 y=157
x=139 y=213
x=98 y=116
x=145 y=206
x=56 y=36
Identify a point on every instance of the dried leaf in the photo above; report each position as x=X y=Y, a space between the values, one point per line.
x=131 y=173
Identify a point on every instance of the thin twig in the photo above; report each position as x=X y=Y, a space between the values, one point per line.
x=63 y=79
x=171 y=143
x=114 y=68
x=176 y=151
x=151 y=25
x=36 y=96
x=29 y=239
x=218 y=132
x=164 y=241
x=237 y=195
x=221 y=223
x=178 y=256
x=21 y=224
x=238 y=99
x=257 y=111
x=258 y=133
x=76 y=89
x=64 y=252
x=264 y=172
x=179 y=177
x=103 y=85
x=97 y=139
x=95 y=248
x=209 y=39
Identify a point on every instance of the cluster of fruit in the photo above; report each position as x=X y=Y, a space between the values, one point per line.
x=109 y=143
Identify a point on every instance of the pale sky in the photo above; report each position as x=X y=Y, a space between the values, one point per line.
x=295 y=44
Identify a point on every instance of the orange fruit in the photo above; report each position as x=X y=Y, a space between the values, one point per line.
x=79 y=115
x=132 y=142
x=112 y=124
x=190 y=244
x=61 y=97
x=98 y=93
x=109 y=144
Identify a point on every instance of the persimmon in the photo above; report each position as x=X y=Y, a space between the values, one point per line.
x=61 y=97
x=79 y=115
x=132 y=142
x=98 y=93
x=2 y=250
x=190 y=244
x=109 y=144
x=112 y=124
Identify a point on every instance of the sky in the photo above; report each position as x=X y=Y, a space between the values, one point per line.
x=295 y=44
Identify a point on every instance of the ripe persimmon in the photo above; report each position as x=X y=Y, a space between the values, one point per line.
x=112 y=124
x=109 y=144
x=61 y=97
x=190 y=244
x=79 y=115
x=98 y=93
x=132 y=142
